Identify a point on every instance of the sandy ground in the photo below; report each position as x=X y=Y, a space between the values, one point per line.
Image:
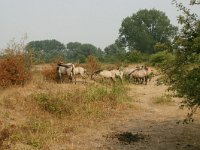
x=154 y=125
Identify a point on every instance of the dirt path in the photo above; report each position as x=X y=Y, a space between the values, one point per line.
x=144 y=126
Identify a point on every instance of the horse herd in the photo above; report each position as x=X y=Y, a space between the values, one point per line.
x=139 y=75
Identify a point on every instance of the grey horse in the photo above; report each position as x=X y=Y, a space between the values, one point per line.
x=66 y=69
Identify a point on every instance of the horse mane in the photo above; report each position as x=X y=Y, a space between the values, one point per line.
x=133 y=71
x=98 y=71
x=64 y=65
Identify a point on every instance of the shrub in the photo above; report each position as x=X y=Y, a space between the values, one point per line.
x=57 y=104
x=92 y=64
x=50 y=73
x=161 y=59
x=136 y=56
x=13 y=70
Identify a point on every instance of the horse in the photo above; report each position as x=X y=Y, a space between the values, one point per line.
x=127 y=71
x=80 y=71
x=139 y=74
x=66 y=69
x=118 y=73
x=105 y=74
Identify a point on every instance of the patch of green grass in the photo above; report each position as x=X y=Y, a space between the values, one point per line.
x=56 y=103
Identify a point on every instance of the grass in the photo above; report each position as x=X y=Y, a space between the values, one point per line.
x=164 y=99
x=45 y=112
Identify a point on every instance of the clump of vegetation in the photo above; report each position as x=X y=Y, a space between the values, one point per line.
x=34 y=132
x=183 y=73
x=50 y=73
x=164 y=99
x=14 y=66
x=77 y=101
x=161 y=59
x=136 y=56
x=58 y=103
x=92 y=64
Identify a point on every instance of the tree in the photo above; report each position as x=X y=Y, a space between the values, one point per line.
x=79 y=52
x=45 y=50
x=183 y=74
x=144 y=29
x=114 y=53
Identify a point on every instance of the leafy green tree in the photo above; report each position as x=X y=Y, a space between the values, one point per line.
x=184 y=72
x=114 y=53
x=144 y=29
x=79 y=52
x=45 y=50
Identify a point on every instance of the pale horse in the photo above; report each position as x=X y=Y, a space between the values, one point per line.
x=118 y=73
x=66 y=69
x=80 y=71
x=106 y=74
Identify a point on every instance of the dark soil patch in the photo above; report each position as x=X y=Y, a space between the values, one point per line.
x=127 y=137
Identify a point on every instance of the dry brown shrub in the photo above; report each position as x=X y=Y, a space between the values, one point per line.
x=50 y=73
x=93 y=64
x=14 y=70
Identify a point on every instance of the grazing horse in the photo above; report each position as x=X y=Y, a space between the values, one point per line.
x=66 y=69
x=140 y=75
x=118 y=74
x=105 y=74
x=80 y=71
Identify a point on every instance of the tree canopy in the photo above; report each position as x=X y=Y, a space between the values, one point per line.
x=144 y=29
x=79 y=52
x=114 y=53
x=45 y=50
x=184 y=72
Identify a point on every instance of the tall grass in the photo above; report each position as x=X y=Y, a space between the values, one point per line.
x=80 y=101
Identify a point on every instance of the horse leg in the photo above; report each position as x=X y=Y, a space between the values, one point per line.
x=121 y=79
x=112 y=78
x=74 y=79
x=146 y=80
x=60 y=78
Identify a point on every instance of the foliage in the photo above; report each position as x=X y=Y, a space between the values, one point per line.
x=183 y=74
x=57 y=104
x=136 y=56
x=79 y=52
x=114 y=53
x=161 y=59
x=14 y=66
x=92 y=64
x=45 y=50
x=67 y=103
x=144 y=29
x=50 y=73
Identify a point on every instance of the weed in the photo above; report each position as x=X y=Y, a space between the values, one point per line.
x=164 y=99
x=57 y=104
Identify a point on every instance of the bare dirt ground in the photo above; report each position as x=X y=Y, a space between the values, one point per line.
x=143 y=126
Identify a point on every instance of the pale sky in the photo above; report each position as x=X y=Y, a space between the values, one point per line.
x=86 y=21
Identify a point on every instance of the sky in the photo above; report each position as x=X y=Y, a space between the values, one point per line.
x=87 y=21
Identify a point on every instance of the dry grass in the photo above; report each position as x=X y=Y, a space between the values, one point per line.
x=44 y=112
x=163 y=100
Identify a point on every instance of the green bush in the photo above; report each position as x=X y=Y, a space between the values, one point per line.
x=161 y=59
x=136 y=56
x=55 y=103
